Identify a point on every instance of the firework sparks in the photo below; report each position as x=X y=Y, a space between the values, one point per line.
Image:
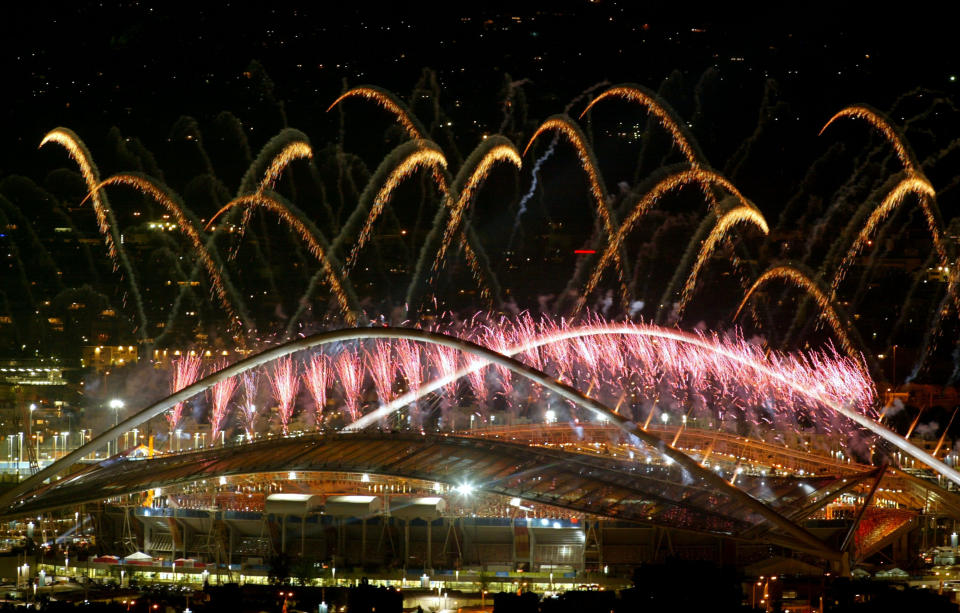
x=879 y=123
x=333 y=278
x=187 y=226
x=827 y=310
x=297 y=150
x=316 y=375
x=387 y=101
x=186 y=371
x=911 y=185
x=285 y=384
x=737 y=215
x=423 y=157
x=703 y=178
x=350 y=368
x=220 y=396
x=564 y=126
x=635 y=93
x=79 y=154
x=248 y=410
x=498 y=154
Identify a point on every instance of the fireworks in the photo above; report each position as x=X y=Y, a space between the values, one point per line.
x=105 y=220
x=248 y=410
x=410 y=367
x=188 y=227
x=703 y=178
x=349 y=369
x=296 y=150
x=79 y=154
x=186 y=371
x=423 y=157
x=640 y=95
x=733 y=382
x=309 y=236
x=500 y=152
x=737 y=215
x=911 y=185
x=285 y=383
x=567 y=128
x=827 y=310
x=380 y=365
x=220 y=396
x=387 y=101
x=876 y=119
x=316 y=375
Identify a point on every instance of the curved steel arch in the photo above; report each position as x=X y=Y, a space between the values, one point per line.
x=541 y=378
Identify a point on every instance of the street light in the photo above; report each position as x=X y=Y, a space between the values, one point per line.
x=116 y=404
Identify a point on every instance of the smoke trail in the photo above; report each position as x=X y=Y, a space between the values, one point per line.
x=522 y=206
x=535 y=173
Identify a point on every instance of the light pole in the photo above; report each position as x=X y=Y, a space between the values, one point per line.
x=116 y=404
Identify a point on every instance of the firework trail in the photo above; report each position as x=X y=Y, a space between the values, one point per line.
x=349 y=369
x=276 y=154
x=106 y=221
x=382 y=369
x=186 y=371
x=911 y=185
x=535 y=173
x=534 y=180
x=220 y=396
x=497 y=152
x=248 y=410
x=445 y=362
x=700 y=177
x=411 y=368
x=933 y=332
x=390 y=103
x=497 y=337
x=316 y=376
x=402 y=161
x=285 y=383
x=477 y=380
x=224 y=290
x=657 y=107
x=422 y=157
x=828 y=311
x=881 y=124
x=737 y=215
x=297 y=150
x=311 y=236
x=565 y=126
x=449 y=223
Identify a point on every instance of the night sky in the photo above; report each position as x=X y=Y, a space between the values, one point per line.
x=754 y=92
x=98 y=64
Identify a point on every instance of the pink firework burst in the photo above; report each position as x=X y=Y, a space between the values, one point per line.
x=316 y=375
x=220 y=396
x=349 y=369
x=186 y=371
x=285 y=384
x=248 y=410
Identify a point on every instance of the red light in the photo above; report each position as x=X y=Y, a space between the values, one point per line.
x=584 y=251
